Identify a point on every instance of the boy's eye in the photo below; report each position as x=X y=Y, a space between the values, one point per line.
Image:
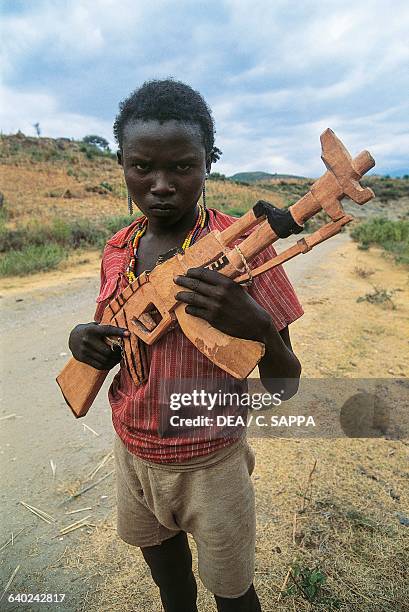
x=183 y=167
x=141 y=166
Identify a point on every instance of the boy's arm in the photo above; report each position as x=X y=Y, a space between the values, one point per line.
x=87 y=341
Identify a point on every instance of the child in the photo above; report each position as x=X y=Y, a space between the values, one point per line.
x=168 y=487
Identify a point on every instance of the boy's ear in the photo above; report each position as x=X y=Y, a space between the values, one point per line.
x=119 y=157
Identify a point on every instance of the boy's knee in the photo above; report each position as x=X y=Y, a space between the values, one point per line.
x=171 y=560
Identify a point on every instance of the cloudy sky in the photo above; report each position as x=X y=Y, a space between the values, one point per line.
x=276 y=73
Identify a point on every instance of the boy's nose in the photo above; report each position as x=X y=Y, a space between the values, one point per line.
x=161 y=185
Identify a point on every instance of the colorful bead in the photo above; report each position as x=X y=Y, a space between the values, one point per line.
x=141 y=229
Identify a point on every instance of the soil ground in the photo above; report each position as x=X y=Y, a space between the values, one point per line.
x=349 y=516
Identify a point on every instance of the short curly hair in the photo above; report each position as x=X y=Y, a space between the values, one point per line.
x=165 y=100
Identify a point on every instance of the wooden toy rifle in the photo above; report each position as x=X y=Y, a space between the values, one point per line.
x=131 y=309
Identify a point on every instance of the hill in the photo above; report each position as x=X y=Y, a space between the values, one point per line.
x=58 y=195
x=44 y=178
x=255 y=177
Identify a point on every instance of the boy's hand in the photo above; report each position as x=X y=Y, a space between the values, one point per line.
x=87 y=344
x=223 y=303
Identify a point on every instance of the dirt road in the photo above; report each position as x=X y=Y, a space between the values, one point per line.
x=36 y=322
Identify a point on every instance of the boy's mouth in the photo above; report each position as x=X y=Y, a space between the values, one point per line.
x=164 y=209
x=162 y=206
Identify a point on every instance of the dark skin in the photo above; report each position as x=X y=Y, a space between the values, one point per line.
x=164 y=168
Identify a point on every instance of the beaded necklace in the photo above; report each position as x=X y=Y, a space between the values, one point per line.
x=141 y=229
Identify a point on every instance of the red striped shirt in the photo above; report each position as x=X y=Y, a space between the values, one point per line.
x=135 y=409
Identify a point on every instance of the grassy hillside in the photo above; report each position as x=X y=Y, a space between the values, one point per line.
x=45 y=178
x=71 y=195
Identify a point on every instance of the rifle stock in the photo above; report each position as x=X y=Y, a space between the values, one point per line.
x=235 y=356
x=80 y=384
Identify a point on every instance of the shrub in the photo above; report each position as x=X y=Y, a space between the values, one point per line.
x=216 y=176
x=90 y=151
x=107 y=186
x=86 y=234
x=81 y=233
x=115 y=223
x=31 y=259
x=97 y=141
x=11 y=239
x=236 y=212
x=393 y=236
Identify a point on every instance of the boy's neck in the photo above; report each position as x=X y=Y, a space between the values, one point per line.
x=157 y=230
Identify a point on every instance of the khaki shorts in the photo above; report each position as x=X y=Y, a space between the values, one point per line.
x=211 y=498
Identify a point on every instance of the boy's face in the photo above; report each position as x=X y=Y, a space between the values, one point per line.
x=164 y=166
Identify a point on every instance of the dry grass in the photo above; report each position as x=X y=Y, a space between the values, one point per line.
x=29 y=196
x=347 y=526
x=362 y=272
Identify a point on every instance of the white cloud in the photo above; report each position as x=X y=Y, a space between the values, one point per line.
x=275 y=73
x=297 y=150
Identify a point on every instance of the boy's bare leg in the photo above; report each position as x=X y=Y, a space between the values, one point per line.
x=171 y=568
x=248 y=602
